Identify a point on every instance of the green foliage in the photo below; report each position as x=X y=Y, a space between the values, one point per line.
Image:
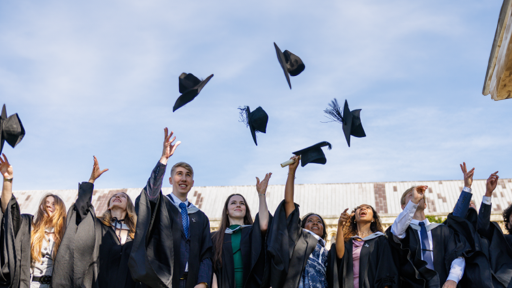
x=434 y=219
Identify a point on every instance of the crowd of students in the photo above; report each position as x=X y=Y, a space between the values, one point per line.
x=165 y=241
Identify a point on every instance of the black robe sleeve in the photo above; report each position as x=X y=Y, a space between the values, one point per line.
x=76 y=263
x=152 y=257
x=15 y=245
x=289 y=248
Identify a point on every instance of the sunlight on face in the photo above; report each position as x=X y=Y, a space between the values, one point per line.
x=237 y=207
x=50 y=205
x=314 y=224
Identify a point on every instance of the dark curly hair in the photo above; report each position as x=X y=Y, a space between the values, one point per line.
x=506 y=218
x=305 y=218
x=351 y=227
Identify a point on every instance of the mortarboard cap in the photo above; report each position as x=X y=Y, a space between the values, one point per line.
x=11 y=129
x=351 y=120
x=313 y=154
x=256 y=120
x=189 y=86
x=291 y=63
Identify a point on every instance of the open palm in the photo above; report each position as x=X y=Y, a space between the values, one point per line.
x=5 y=167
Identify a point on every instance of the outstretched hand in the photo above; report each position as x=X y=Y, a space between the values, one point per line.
x=6 y=168
x=169 y=148
x=491 y=184
x=261 y=187
x=468 y=175
x=418 y=193
x=96 y=172
x=344 y=218
x=295 y=164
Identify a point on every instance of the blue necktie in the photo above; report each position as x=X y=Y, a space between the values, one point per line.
x=184 y=218
x=425 y=247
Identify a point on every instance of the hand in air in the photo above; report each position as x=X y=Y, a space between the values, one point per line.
x=418 y=193
x=450 y=284
x=295 y=164
x=96 y=172
x=491 y=184
x=468 y=175
x=6 y=168
x=261 y=187
x=169 y=148
x=344 y=218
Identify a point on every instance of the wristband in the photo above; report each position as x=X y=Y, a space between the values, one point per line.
x=8 y=180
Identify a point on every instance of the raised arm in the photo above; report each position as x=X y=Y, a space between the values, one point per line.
x=484 y=216
x=7 y=173
x=261 y=187
x=289 y=204
x=340 y=239
x=462 y=206
x=154 y=184
x=403 y=220
x=85 y=191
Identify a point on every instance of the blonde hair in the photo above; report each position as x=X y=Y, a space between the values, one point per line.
x=42 y=221
x=184 y=165
x=130 y=219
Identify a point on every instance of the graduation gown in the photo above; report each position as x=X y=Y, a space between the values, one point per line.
x=155 y=256
x=376 y=266
x=15 y=244
x=90 y=254
x=289 y=248
x=412 y=269
x=253 y=248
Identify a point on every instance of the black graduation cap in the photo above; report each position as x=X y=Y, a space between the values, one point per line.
x=291 y=63
x=351 y=120
x=313 y=154
x=256 y=120
x=11 y=129
x=189 y=86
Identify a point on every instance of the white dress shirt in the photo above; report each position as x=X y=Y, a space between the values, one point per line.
x=399 y=229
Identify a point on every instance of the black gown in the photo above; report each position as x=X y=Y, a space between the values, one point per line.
x=90 y=254
x=155 y=257
x=252 y=246
x=376 y=266
x=489 y=257
x=289 y=248
x=15 y=244
x=412 y=269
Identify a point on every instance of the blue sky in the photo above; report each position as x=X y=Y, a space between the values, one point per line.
x=101 y=78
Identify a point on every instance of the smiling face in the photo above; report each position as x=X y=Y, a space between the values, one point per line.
x=364 y=213
x=181 y=181
x=118 y=200
x=236 y=207
x=50 y=205
x=315 y=225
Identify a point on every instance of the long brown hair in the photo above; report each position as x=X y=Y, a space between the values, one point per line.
x=350 y=228
x=218 y=237
x=42 y=221
x=130 y=219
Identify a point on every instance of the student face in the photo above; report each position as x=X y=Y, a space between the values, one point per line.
x=364 y=213
x=50 y=205
x=119 y=200
x=181 y=181
x=314 y=224
x=236 y=207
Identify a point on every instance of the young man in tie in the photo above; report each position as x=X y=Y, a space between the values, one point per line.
x=172 y=245
x=426 y=254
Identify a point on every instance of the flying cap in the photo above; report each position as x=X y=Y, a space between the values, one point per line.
x=189 y=86
x=313 y=154
x=256 y=120
x=351 y=120
x=11 y=129
x=291 y=63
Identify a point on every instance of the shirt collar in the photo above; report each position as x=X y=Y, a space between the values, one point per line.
x=417 y=222
x=177 y=200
